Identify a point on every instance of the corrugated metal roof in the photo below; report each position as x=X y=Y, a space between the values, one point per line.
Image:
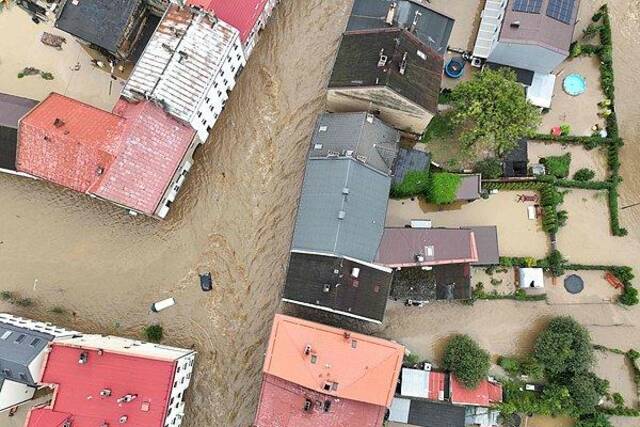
x=181 y=60
x=242 y=14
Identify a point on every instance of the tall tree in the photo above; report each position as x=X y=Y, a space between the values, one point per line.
x=468 y=362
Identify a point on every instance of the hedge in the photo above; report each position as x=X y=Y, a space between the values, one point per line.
x=589 y=142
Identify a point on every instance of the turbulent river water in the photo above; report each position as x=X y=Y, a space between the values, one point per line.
x=234 y=218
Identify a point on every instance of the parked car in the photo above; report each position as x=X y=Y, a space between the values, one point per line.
x=206 y=282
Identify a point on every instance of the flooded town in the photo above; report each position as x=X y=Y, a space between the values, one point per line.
x=279 y=213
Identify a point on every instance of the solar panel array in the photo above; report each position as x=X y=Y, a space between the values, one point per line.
x=529 y=6
x=562 y=10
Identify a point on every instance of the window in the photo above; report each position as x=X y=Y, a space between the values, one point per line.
x=6 y=335
x=34 y=342
x=20 y=338
x=228 y=59
x=225 y=81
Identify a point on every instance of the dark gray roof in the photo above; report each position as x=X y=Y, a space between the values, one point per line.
x=442 y=282
x=426 y=413
x=364 y=296
x=18 y=349
x=516 y=161
x=100 y=22
x=470 y=187
x=342 y=208
x=357 y=65
x=12 y=108
x=8 y=146
x=431 y=27
x=362 y=135
x=522 y=76
x=409 y=160
x=487 y=244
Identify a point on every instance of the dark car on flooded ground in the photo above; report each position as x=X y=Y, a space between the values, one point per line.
x=206 y=282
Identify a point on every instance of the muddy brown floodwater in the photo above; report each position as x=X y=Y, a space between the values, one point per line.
x=234 y=218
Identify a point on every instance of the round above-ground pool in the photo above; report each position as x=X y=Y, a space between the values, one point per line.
x=574 y=284
x=454 y=68
x=574 y=84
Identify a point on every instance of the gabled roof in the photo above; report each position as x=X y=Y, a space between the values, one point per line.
x=420 y=412
x=180 y=62
x=18 y=348
x=487 y=243
x=333 y=361
x=78 y=388
x=358 y=65
x=409 y=160
x=401 y=247
x=486 y=394
x=369 y=139
x=128 y=157
x=328 y=283
x=282 y=404
x=242 y=14
x=342 y=208
x=431 y=27
x=102 y=23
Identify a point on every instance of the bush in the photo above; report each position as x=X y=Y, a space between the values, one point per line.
x=575 y=50
x=557 y=166
x=414 y=183
x=565 y=129
x=411 y=359
x=510 y=365
x=586 y=389
x=468 y=362
x=584 y=174
x=153 y=333
x=489 y=168
x=443 y=188
x=594 y=420
x=439 y=127
x=617 y=398
x=564 y=349
x=629 y=296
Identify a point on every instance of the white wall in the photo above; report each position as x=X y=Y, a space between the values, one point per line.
x=14 y=393
x=181 y=381
x=254 y=35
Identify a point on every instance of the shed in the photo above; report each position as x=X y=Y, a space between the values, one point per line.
x=409 y=160
x=531 y=278
x=516 y=161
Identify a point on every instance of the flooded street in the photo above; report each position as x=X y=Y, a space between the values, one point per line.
x=233 y=218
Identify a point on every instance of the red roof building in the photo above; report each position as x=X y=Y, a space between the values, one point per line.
x=248 y=16
x=93 y=386
x=316 y=375
x=486 y=394
x=128 y=157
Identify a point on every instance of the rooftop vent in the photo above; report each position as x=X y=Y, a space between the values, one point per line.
x=105 y=392
x=307 y=349
x=342 y=214
x=326 y=288
x=515 y=24
x=58 y=123
x=419 y=258
x=84 y=357
x=317 y=147
x=355 y=272
x=429 y=250
x=403 y=64
x=369 y=117
x=127 y=398
x=308 y=404
x=123 y=419
x=348 y=153
x=345 y=190
x=99 y=170
x=382 y=61
x=323 y=128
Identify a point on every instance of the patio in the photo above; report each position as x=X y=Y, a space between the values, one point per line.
x=517 y=235
x=21 y=47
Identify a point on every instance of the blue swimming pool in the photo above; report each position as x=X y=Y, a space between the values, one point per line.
x=574 y=84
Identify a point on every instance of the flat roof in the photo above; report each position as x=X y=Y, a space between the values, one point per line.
x=470 y=187
x=441 y=282
x=485 y=394
x=13 y=108
x=424 y=413
x=242 y=14
x=333 y=361
x=282 y=404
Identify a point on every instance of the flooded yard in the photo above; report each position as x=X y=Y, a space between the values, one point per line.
x=596 y=289
x=517 y=235
x=616 y=369
x=580 y=158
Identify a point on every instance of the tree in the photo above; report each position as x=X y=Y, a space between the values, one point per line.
x=443 y=188
x=489 y=168
x=594 y=420
x=468 y=362
x=564 y=348
x=586 y=390
x=493 y=111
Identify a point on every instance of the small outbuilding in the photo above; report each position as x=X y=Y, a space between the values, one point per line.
x=531 y=278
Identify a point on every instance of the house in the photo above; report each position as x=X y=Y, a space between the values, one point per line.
x=248 y=16
x=189 y=66
x=106 y=380
x=136 y=156
x=319 y=376
x=12 y=109
x=341 y=218
x=23 y=347
x=112 y=27
x=478 y=402
x=530 y=34
x=389 y=72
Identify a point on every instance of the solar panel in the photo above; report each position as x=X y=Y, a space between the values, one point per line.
x=529 y=6
x=562 y=10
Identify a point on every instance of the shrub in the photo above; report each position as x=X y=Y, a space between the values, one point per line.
x=414 y=183
x=584 y=174
x=510 y=365
x=564 y=348
x=556 y=263
x=617 y=398
x=575 y=50
x=411 y=359
x=154 y=333
x=443 y=188
x=468 y=362
x=58 y=310
x=7 y=295
x=629 y=296
x=532 y=369
x=594 y=420
x=557 y=166
x=489 y=168
x=586 y=389
x=565 y=129
x=439 y=127
x=445 y=96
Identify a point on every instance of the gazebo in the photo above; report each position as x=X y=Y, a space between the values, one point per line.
x=531 y=278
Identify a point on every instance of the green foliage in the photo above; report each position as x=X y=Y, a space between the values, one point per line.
x=557 y=166
x=414 y=183
x=443 y=187
x=411 y=359
x=594 y=420
x=440 y=126
x=588 y=142
x=445 y=96
x=565 y=129
x=586 y=389
x=58 y=310
x=23 y=302
x=617 y=398
x=7 y=295
x=493 y=111
x=510 y=365
x=564 y=349
x=629 y=296
x=468 y=362
x=584 y=174
x=489 y=168
x=154 y=333
x=575 y=50
x=532 y=369
x=554 y=400
x=591 y=31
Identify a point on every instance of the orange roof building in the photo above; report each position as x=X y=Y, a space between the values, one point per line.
x=316 y=375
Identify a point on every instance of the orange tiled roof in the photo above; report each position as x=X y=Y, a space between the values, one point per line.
x=334 y=361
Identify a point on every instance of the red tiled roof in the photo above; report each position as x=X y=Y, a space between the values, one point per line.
x=128 y=156
x=152 y=147
x=68 y=152
x=486 y=394
x=77 y=395
x=353 y=366
x=436 y=384
x=282 y=405
x=242 y=14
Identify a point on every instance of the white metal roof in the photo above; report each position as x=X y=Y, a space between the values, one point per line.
x=183 y=57
x=531 y=278
x=541 y=90
x=399 y=410
x=415 y=383
x=492 y=16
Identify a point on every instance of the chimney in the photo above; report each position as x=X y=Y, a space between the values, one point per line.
x=58 y=123
x=383 y=59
